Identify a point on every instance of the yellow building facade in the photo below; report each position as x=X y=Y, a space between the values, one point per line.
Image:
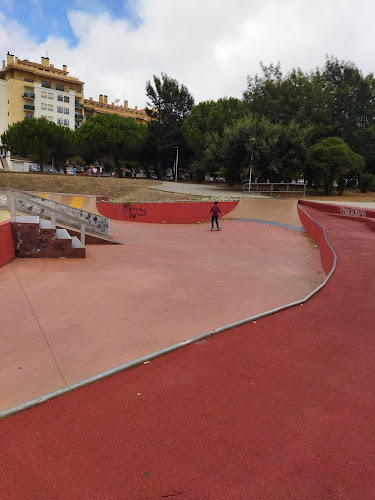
x=29 y=89
x=93 y=108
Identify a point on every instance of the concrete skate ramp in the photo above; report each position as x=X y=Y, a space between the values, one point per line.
x=278 y=212
x=86 y=203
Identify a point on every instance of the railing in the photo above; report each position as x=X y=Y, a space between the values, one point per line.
x=29 y=106
x=29 y=95
x=78 y=116
x=48 y=213
x=274 y=187
x=78 y=105
x=66 y=215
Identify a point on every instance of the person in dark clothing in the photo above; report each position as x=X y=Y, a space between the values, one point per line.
x=215 y=213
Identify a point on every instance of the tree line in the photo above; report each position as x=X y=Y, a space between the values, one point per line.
x=318 y=126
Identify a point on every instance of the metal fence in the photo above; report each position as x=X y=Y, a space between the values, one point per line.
x=274 y=187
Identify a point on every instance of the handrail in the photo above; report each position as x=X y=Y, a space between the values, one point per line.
x=272 y=184
x=48 y=213
x=34 y=205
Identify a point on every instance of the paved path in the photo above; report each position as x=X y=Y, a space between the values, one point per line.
x=225 y=192
x=203 y=190
x=280 y=409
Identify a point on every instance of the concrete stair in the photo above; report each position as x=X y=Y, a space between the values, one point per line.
x=35 y=238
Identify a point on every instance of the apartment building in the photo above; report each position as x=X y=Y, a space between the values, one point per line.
x=93 y=108
x=29 y=89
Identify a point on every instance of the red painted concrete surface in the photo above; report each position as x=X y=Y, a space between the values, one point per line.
x=168 y=213
x=280 y=409
x=31 y=241
x=317 y=234
x=330 y=208
x=6 y=243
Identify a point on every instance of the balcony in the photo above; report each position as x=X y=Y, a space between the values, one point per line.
x=29 y=95
x=78 y=105
x=78 y=116
x=29 y=107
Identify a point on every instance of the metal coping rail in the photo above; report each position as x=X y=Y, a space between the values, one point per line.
x=287 y=184
x=144 y=359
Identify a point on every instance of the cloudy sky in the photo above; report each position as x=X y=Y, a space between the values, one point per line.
x=208 y=45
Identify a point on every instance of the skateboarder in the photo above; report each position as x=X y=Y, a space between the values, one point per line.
x=215 y=213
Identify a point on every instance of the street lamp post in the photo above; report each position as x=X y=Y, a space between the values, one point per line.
x=176 y=163
x=251 y=160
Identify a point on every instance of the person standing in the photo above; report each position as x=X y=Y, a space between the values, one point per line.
x=214 y=217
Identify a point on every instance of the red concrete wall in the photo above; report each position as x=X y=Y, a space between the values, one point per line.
x=169 y=213
x=33 y=242
x=329 y=208
x=6 y=243
x=316 y=232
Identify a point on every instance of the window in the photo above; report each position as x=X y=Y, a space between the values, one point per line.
x=50 y=95
x=60 y=98
x=66 y=122
x=28 y=80
x=50 y=107
x=44 y=116
x=59 y=87
x=60 y=121
x=44 y=105
x=60 y=109
x=45 y=84
x=44 y=94
x=66 y=111
x=66 y=98
x=50 y=118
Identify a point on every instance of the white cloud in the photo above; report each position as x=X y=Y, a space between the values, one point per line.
x=210 y=46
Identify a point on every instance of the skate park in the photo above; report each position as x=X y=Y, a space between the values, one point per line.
x=279 y=406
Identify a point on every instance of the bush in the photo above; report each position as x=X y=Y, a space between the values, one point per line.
x=367 y=182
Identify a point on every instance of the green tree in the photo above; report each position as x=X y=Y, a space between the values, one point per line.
x=210 y=117
x=331 y=160
x=276 y=152
x=110 y=136
x=63 y=146
x=367 y=182
x=38 y=139
x=230 y=153
x=169 y=103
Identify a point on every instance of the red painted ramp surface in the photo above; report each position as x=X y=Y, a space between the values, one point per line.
x=280 y=409
x=163 y=213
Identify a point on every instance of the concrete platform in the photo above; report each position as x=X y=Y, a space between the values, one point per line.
x=280 y=212
x=66 y=320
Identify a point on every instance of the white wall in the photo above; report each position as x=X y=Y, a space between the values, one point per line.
x=51 y=101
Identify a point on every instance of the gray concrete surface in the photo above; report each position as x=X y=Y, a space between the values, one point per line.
x=225 y=192
x=204 y=190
